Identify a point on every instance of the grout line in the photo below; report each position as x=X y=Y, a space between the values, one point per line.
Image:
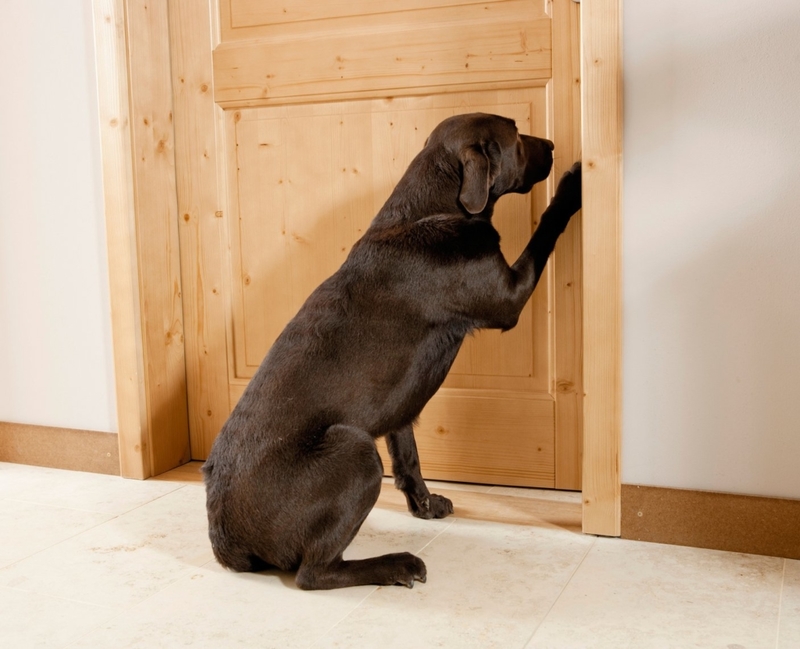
x=61 y=598
x=780 y=606
x=561 y=592
x=324 y=634
x=442 y=531
x=37 y=503
x=92 y=511
x=56 y=544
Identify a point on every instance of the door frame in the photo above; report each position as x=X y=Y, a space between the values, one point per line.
x=137 y=137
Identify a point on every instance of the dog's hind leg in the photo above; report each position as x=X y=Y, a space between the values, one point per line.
x=408 y=477
x=349 y=472
x=402 y=568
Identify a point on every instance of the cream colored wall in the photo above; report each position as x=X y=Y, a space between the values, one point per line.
x=55 y=331
x=712 y=246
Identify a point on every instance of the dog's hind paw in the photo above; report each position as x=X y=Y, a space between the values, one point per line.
x=409 y=569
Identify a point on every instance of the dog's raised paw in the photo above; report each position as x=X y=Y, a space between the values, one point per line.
x=568 y=191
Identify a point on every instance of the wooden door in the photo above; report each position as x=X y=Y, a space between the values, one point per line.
x=294 y=121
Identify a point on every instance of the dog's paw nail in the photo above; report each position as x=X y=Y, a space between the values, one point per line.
x=423 y=579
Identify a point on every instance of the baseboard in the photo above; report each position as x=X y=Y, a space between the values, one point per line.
x=59 y=448
x=719 y=521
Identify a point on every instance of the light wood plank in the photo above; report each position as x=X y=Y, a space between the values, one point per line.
x=239 y=14
x=123 y=262
x=602 y=180
x=460 y=437
x=157 y=233
x=191 y=472
x=565 y=91
x=201 y=176
x=411 y=52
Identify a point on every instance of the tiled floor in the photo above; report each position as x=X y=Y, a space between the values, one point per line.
x=96 y=561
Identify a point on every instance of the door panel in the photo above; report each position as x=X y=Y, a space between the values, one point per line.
x=287 y=159
x=404 y=46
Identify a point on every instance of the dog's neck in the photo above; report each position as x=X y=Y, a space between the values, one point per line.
x=442 y=174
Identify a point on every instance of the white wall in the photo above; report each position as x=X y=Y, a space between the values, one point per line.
x=712 y=245
x=55 y=331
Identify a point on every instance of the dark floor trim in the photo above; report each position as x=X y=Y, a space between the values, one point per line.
x=702 y=519
x=59 y=448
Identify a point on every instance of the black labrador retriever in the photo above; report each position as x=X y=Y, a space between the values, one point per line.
x=294 y=471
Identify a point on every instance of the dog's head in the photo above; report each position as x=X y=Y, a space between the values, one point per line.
x=494 y=158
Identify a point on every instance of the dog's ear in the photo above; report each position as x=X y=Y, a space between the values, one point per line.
x=475 y=180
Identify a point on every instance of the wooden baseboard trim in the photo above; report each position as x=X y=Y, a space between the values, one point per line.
x=718 y=521
x=59 y=448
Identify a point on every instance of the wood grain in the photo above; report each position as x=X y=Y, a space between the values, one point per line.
x=566 y=96
x=120 y=214
x=154 y=190
x=239 y=15
x=602 y=327
x=202 y=217
x=293 y=186
x=295 y=219
x=389 y=52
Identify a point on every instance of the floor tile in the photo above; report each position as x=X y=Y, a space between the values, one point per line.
x=28 y=528
x=122 y=561
x=29 y=621
x=78 y=490
x=95 y=561
x=217 y=609
x=489 y=585
x=789 y=633
x=645 y=595
x=212 y=607
x=386 y=531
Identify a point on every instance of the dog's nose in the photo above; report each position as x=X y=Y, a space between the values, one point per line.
x=551 y=145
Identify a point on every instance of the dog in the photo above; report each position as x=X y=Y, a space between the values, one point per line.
x=295 y=471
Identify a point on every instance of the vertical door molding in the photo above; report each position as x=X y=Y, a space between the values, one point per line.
x=567 y=258
x=199 y=127
x=123 y=262
x=601 y=74
x=135 y=108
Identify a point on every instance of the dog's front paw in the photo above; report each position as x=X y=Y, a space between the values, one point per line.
x=568 y=192
x=433 y=506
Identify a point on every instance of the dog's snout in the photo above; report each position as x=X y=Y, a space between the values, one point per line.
x=538 y=143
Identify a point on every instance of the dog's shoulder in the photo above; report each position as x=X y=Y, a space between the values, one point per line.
x=445 y=236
